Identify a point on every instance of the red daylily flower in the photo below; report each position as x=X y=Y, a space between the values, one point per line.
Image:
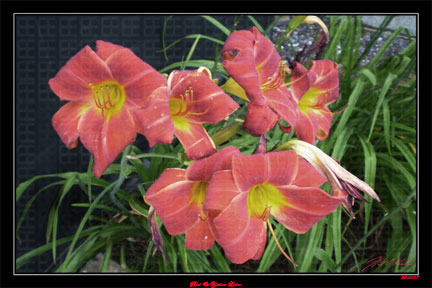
x=106 y=89
x=190 y=100
x=313 y=91
x=260 y=185
x=253 y=62
x=178 y=197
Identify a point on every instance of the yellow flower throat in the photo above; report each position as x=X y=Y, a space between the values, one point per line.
x=109 y=97
x=262 y=199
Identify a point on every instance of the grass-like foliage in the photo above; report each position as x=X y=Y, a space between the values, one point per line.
x=374 y=138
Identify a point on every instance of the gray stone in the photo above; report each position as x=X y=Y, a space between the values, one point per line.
x=93 y=265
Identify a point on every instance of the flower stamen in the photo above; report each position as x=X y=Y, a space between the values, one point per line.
x=278 y=78
x=108 y=96
x=277 y=243
x=184 y=104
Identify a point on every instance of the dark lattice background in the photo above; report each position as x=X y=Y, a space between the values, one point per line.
x=44 y=43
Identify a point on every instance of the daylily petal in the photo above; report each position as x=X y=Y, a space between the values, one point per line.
x=199 y=237
x=67 y=86
x=308 y=176
x=242 y=66
x=105 y=49
x=261 y=246
x=221 y=191
x=306 y=206
x=176 y=77
x=302 y=80
x=282 y=167
x=306 y=127
x=194 y=138
x=328 y=78
x=139 y=90
x=207 y=102
x=174 y=208
x=327 y=81
x=322 y=68
x=65 y=123
x=280 y=100
x=169 y=176
x=276 y=168
x=259 y=119
x=324 y=123
x=133 y=109
x=213 y=109
x=88 y=66
x=203 y=169
x=313 y=98
x=89 y=128
x=138 y=77
x=250 y=170
x=266 y=57
x=106 y=138
x=239 y=234
x=72 y=81
x=211 y=215
x=155 y=118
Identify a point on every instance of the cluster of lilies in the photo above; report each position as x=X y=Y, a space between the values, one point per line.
x=223 y=195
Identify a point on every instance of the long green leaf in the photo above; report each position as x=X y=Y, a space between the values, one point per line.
x=216 y=23
x=24 y=185
x=107 y=256
x=65 y=189
x=257 y=25
x=331 y=52
x=84 y=220
x=139 y=207
x=406 y=152
x=22 y=260
x=336 y=218
x=325 y=258
x=375 y=227
x=219 y=260
x=396 y=165
x=119 y=182
x=383 y=93
x=155 y=155
x=313 y=244
x=383 y=49
x=370 y=172
x=163 y=36
x=271 y=252
x=386 y=124
x=366 y=72
x=192 y=36
x=30 y=203
x=89 y=175
x=270 y=27
x=352 y=101
x=373 y=39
